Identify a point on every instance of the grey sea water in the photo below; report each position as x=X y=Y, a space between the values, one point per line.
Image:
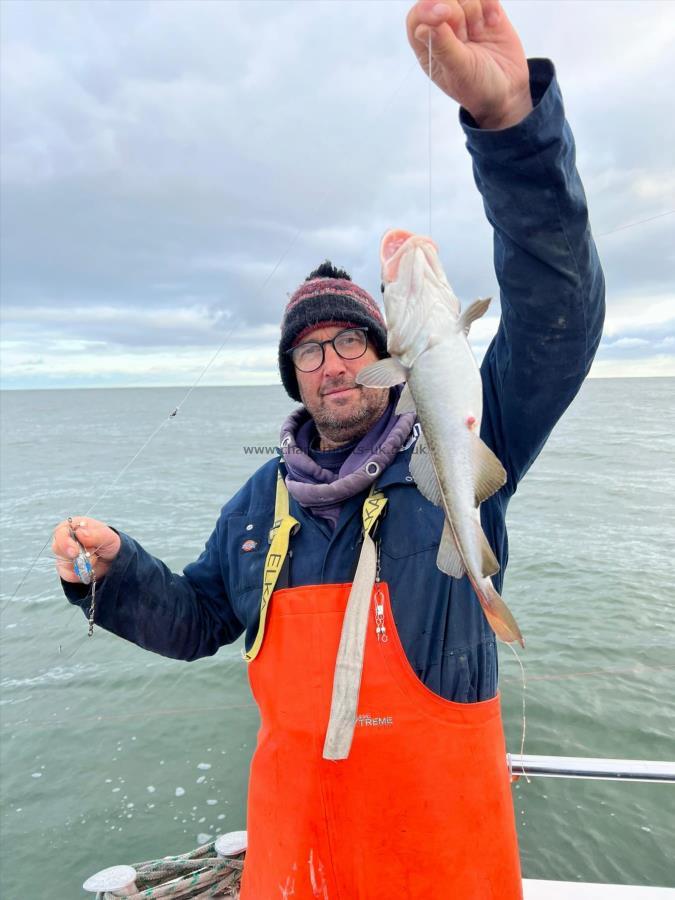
x=112 y=755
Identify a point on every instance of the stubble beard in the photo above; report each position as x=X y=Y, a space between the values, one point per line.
x=339 y=426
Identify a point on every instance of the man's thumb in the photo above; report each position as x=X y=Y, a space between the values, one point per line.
x=100 y=540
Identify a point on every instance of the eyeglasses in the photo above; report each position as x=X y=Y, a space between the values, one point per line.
x=351 y=343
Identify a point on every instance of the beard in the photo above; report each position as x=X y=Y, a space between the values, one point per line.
x=340 y=423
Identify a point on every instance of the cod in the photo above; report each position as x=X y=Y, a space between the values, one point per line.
x=453 y=468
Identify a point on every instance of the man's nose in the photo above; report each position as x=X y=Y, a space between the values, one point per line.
x=333 y=363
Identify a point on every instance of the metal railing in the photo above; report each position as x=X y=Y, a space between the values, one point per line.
x=590 y=767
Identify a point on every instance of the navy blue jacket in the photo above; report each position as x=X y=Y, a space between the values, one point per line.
x=552 y=299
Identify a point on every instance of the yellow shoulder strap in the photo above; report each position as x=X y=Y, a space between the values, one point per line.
x=280 y=534
x=372 y=509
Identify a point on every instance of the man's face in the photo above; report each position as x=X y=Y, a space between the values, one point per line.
x=342 y=410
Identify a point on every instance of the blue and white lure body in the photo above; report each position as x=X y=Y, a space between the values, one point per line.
x=82 y=566
x=84 y=569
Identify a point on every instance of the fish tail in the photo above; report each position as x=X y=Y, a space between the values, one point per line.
x=498 y=614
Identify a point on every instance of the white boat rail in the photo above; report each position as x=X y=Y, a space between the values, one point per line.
x=573 y=890
x=535 y=766
x=529 y=765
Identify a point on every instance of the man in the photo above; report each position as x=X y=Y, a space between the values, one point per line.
x=421 y=807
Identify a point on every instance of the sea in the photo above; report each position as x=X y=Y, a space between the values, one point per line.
x=111 y=755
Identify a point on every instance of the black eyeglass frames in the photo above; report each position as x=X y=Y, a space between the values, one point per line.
x=351 y=343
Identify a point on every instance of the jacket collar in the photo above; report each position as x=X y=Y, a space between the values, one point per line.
x=397 y=472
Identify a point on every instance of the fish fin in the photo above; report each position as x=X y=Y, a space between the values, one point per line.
x=488 y=562
x=489 y=473
x=422 y=470
x=499 y=615
x=473 y=312
x=449 y=559
x=405 y=402
x=382 y=374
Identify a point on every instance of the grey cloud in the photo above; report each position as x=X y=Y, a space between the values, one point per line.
x=167 y=156
x=657 y=336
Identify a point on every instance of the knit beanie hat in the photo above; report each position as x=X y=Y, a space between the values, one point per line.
x=320 y=301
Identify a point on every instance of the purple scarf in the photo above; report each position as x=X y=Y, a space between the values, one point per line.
x=323 y=492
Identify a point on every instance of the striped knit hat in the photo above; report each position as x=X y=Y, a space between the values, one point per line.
x=320 y=301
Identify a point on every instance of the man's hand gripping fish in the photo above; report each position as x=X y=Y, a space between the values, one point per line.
x=453 y=468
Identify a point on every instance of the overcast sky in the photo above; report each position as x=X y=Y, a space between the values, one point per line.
x=172 y=170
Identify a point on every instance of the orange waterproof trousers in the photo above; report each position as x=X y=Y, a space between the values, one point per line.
x=422 y=807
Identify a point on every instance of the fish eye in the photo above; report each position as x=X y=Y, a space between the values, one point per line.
x=382 y=287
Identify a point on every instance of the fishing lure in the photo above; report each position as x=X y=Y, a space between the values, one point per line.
x=84 y=569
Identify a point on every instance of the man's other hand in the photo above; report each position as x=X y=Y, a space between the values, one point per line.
x=476 y=58
x=101 y=541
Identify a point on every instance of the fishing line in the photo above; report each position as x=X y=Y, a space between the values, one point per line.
x=185 y=710
x=670 y=212
x=206 y=368
x=319 y=197
x=171 y=415
x=133 y=459
x=430 y=85
x=284 y=254
x=28 y=571
x=524 y=686
x=161 y=425
x=594 y=673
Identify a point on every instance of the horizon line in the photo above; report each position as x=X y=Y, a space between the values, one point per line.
x=177 y=386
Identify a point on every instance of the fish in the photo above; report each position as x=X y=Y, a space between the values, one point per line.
x=453 y=468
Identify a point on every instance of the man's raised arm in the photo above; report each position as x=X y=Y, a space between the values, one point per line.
x=552 y=287
x=551 y=283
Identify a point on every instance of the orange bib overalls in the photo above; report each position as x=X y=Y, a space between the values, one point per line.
x=421 y=809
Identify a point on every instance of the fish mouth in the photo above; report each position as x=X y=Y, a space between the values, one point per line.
x=393 y=246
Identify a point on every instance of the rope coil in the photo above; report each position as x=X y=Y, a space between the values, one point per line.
x=195 y=875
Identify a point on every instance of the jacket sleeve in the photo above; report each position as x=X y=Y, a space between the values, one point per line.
x=550 y=279
x=181 y=616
